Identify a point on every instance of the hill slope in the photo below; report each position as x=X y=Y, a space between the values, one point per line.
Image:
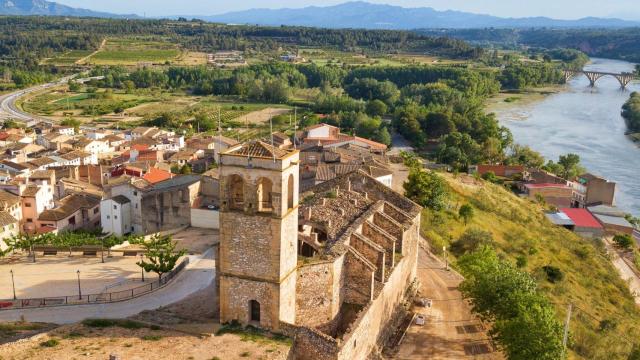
x=48 y=8
x=376 y=16
x=590 y=282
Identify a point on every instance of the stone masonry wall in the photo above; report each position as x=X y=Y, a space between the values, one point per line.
x=371 y=329
x=359 y=279
x=314 y=287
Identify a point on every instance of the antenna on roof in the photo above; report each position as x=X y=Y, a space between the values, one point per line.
x=271 y=127
x=295 y=126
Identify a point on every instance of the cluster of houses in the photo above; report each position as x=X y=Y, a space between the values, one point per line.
x=585 y=204
x=54 y=179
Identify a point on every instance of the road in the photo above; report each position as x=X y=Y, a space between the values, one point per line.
x=398 y=144
x=196 y=276
x=451 y=331
x=625 y=270
x=9 y=110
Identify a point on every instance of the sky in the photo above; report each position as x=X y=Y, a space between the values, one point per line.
x=559 y=9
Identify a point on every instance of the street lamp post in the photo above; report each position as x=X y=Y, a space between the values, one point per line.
x=141 y=268
x=13 y=284
x=102 y=250
x=79 y=288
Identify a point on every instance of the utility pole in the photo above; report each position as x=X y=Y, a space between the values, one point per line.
x=79 y=288
x=13 y=284
x=295 y=126
x=566 y=329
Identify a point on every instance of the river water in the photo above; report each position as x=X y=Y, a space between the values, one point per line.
x=585 y=121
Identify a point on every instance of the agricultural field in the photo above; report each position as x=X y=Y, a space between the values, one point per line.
x=68 y=58
x=133 y=52
x=82 y=105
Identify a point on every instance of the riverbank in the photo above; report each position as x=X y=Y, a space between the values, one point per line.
x=509 y=100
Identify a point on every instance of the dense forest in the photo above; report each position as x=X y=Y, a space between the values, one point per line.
x=621 y=44
x=631 y=113
x=26 y=40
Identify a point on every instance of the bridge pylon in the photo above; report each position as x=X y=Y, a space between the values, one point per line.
x=593 y=76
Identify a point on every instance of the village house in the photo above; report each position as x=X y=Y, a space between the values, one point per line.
x=73 y=212
x=559 y=195
x=330 y=136
x=613 y=220
x=584 y=223
x=9 y=227
x=599 y=191
x=504 y=171
x=164 y=205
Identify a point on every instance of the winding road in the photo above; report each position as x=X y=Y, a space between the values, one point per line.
x=196 y=276
x=9 y=110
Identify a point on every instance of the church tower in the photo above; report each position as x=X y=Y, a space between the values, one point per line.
x=258 y=234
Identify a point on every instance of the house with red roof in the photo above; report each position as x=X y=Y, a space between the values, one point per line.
x=559 y=195
x=585 y=224
x=329 y=136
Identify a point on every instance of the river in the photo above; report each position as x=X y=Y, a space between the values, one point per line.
x=586 y=121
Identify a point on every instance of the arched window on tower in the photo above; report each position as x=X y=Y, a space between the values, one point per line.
x=235 y=188
x=265 y=202
x=290 y=189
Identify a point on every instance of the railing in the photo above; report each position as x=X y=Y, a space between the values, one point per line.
x=101 y=298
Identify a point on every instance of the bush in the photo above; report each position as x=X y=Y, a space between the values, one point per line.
x=471 y=240
x=623 y=241
x=521 y=261
x=427 y=189
x=50 y=343
x=553 y=273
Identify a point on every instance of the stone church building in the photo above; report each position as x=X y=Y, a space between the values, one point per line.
x=330 y=267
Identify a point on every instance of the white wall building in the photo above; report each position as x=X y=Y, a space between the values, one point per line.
x=115 y=215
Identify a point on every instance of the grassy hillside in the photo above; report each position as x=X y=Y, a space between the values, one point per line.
x=605 y=317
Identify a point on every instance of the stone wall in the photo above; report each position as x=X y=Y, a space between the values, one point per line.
x=314 y=290
x=372 y=251
x=359 y=279
x=380 y=237
x=371 y=328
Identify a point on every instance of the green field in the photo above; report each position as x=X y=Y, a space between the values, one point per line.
x=132 y=51
x=69 y=57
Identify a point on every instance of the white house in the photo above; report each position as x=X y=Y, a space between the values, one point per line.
x=115 y=215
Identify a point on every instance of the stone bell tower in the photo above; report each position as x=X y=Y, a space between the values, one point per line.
x=258 y=234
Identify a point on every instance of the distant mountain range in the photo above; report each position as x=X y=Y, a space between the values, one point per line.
x=48 y=8
x=360 y=14
x=357 y=14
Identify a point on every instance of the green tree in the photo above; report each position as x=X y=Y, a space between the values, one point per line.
x=525 y=325
x=161 y=255
x=73 y=123
x=472 y=239
x=571 y=166
x=428 y=189
x=73 y=86
x=185 y=169
x=376 y=108
x=466 y=212
x=623 y=241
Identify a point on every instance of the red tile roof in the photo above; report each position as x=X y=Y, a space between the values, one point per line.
x=582 y=218
x=545 y=185
x=156 y=175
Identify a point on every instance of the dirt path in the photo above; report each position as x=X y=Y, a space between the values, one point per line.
x=84 y=59
x=451 y=331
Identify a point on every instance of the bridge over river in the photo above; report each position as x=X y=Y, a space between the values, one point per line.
x=623 y=78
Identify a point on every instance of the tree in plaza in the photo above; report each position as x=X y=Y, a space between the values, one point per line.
x=161 y=255
x=428 y=189
x=466 y=213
